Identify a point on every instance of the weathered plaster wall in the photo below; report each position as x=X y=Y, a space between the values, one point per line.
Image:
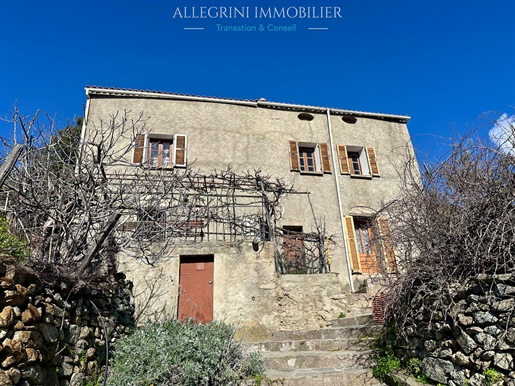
x=247 y=292
x=248 y=138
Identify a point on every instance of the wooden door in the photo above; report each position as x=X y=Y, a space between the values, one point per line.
x=196 y=288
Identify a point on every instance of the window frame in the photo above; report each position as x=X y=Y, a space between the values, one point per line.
x=142 y=150
x=366 y=160
x=320 y=157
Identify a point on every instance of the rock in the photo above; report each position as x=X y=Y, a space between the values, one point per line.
x=34 y=375
x=484 y=318
x=510 y=335
x=477 y=380
x=487 y=341
x=5 y=379
x=437 y=369
x=503 y=361
x=504 y=290
x=66 y=369
x=465 y=320
x=493 y=330
x=50 y=332
x=90 y=353
x=32 y=355
x=85 y=332
x=6 y=317
x=13 y=298
x=487 y=355
x=15 y=374
x=430 y=345
x=461 y=359
x=77 y=379
x=504 y=305
x=3 y=333
x=467 y=343
x=31 y=315
x=9 y=361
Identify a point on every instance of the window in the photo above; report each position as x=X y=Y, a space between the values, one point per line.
x=369 y=246
x=358 y=161
x=160 y=151
x=309 y=157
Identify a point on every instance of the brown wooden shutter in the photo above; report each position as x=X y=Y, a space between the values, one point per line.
x=384 y=228
x=342 y=156
x=179 y=145
x=352 y=244
x=324 y=155
x=139 y=147
x=374 y=169
x=294 y=156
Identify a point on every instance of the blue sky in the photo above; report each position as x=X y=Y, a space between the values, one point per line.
x=441 y=62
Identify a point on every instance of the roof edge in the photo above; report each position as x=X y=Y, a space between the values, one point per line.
x=94 y=90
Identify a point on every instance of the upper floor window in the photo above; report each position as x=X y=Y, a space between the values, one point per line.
x=358 y=161
x=308 y=157
x=160 y=151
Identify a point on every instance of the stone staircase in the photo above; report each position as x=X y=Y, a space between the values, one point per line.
x=339 y=355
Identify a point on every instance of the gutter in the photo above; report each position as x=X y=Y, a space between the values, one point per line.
x=83 y=132
x=168 y=96
x=338 y=195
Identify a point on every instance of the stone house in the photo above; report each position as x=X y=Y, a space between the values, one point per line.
x=343 y=165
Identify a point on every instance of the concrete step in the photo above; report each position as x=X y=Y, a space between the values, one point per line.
x=357 y=320
x=317 y=377
x=357 y=332
x=280 y=360
x=352 y=344
x=324 y=377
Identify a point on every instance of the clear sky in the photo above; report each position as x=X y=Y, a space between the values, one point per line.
x=441 y=62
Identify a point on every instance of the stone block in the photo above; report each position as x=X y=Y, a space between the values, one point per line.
x=437 y=369
x=503 y=361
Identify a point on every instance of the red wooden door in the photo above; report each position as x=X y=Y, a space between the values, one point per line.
x=196 y=288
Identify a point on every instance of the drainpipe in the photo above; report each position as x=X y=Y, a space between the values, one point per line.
x=83 y=132
x=338 y=195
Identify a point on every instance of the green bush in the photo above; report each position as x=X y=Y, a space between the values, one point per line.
x=10 y=244
x=186 y=354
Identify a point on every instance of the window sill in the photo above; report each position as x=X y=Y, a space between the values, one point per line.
x=359 y=176
x=313 y=173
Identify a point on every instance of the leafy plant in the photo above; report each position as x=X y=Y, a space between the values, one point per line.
x=387 y=360
x=492 y=376
x=414 y=367
x=10 y=244
x=186 y=354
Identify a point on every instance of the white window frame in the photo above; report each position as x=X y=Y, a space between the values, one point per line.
x=173 y=150
x=366 y=170
x=316 y=154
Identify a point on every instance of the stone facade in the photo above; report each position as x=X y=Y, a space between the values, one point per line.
x=50 y=338
x=272 y=137
x=475 y=338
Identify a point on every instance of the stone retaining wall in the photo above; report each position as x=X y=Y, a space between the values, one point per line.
x=48 y=338
x=475 y=339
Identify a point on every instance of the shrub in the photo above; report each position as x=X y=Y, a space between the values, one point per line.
x=10 y=244
x=187 y=354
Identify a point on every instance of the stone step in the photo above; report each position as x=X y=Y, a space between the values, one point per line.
x=279 y=360
x=323 y=377
x=317 y=377
x=354 y=344
x=357 y=320
x=357 y=332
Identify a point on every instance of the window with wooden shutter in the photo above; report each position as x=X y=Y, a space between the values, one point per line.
x=294 y=156
x=391 y=262
x=180 y=150
x=342 y=156
x=352 y=244
x=326 y=160
x=372 y=161
x=139 y=149
x=358 y=161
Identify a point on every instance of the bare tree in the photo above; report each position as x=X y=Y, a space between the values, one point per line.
x=454 y=222
x=79 y=202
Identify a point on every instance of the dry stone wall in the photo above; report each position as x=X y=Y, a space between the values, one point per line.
x=51 y=338
x=474 y=344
